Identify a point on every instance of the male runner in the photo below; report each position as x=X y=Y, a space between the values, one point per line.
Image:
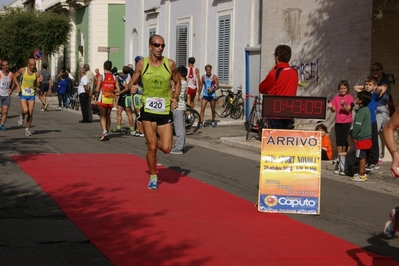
x=156 y=72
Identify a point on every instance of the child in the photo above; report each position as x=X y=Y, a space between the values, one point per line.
x=361 y=134
x=178 y=113
x=342 y=105
x=61 y=91
x=326 y=148
x=370 y=85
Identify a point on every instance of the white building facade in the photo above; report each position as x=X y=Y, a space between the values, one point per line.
x=218 y=33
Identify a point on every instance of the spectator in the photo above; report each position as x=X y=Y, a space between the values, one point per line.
x=382 y=112
x=361 y=134
x=342 y=105
x=326 y=147
x=83 y=92
x=61 y=92
x=179 y=114
x=282 y=80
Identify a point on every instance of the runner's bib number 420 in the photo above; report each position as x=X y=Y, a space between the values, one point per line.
x=155 y=104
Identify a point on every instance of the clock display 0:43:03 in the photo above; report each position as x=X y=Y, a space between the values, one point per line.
x=294 y=107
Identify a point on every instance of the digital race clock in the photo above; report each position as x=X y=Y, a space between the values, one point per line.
x=294 y=107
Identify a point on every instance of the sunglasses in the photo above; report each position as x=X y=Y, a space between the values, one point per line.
x=375 y=69
x=158 y=45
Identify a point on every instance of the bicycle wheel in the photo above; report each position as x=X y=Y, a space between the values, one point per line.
x=222 y=106
x=239 y=100
x=77 y=103
x=237 y=111
x=250 y=124
x=191 y=120
x=72 y=104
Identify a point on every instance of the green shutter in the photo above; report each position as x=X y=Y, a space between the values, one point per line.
x=181 y=44
x=224 y=49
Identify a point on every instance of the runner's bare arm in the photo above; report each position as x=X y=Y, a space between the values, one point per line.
x=39 y=79
x=118 y=89
x=99 y=81
x=15 y=78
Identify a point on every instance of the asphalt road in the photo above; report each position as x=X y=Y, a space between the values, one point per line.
x=34 y=231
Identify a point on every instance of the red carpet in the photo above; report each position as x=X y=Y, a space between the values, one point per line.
x=185 y=222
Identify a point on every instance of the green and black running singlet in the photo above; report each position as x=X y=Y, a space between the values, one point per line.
x=156 y=83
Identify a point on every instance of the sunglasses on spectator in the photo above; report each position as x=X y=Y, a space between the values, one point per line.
x=158 y=45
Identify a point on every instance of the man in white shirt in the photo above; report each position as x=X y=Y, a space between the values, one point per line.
x=84 y=95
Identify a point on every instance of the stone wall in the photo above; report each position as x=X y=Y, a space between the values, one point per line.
x=330 y=41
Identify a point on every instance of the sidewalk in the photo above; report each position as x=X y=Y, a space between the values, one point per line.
x=253 y=144
x=228 y=121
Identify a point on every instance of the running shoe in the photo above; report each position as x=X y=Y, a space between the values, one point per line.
x=213 y=124
x=117 y=130
x=389 y=230
x=140 y=134
x=104 y=137
x=371 y=167
x=176 y=151
x=42 y=109
x=28 y=133
x=3 y=128
x=59 y=107
x=201 y=125
x=133 y=133
x=336 y=172
x=358 y=178
x=153 y=184
x=21 y=120
x=45 y=107
x=342 y=173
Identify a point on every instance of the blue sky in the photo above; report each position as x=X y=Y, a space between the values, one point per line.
x=5 y=2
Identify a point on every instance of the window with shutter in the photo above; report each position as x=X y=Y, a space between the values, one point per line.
x=181 y=44
x=224 y=49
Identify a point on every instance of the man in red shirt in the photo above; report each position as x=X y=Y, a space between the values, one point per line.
x=282 y=80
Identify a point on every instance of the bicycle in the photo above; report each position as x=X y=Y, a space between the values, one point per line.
x=230 y=104
x=74 y=100
x=255 y=122
x=191 y=120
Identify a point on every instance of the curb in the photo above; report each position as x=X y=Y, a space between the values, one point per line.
x=383 y=174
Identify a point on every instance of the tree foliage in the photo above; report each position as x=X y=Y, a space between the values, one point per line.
x=24 y=31
x=380 y=9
